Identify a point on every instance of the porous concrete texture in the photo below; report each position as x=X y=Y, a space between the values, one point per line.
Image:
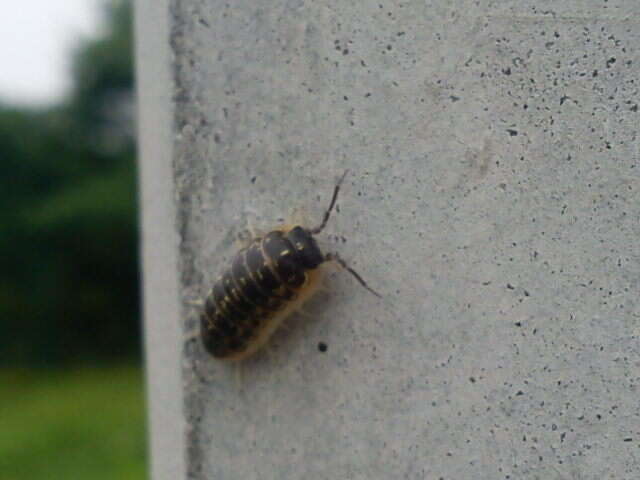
x=492 y=200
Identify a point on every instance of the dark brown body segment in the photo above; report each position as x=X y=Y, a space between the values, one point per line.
x=261 y=280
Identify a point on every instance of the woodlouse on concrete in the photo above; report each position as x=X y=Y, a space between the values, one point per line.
x=267 y=281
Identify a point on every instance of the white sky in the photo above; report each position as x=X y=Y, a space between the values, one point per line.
x=36 y=38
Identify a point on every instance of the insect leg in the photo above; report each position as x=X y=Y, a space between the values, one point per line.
x=334 y=257
x=244 y=238
x=247 y=235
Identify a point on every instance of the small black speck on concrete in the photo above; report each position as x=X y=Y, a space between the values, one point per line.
x=322 y=347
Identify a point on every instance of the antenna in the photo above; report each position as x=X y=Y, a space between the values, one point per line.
x=327 y=214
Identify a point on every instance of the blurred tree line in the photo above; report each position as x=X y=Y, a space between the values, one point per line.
x=68 y=230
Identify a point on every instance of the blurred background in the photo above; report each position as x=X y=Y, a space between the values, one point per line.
x=71 y=400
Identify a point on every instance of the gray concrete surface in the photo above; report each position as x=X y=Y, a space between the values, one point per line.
x=493 y=200
x=163 y=327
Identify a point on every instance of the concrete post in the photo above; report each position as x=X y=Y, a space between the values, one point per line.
x=493 y=201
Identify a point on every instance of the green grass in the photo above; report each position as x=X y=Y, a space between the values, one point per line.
x=77 y=424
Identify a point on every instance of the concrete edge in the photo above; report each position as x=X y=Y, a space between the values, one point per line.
x=159 y=241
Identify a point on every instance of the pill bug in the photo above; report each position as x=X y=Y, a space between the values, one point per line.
x=267 y=281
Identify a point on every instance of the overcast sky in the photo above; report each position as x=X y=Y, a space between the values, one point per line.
x=36 y=37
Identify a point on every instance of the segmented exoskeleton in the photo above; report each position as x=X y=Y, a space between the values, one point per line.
x=266 y=282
